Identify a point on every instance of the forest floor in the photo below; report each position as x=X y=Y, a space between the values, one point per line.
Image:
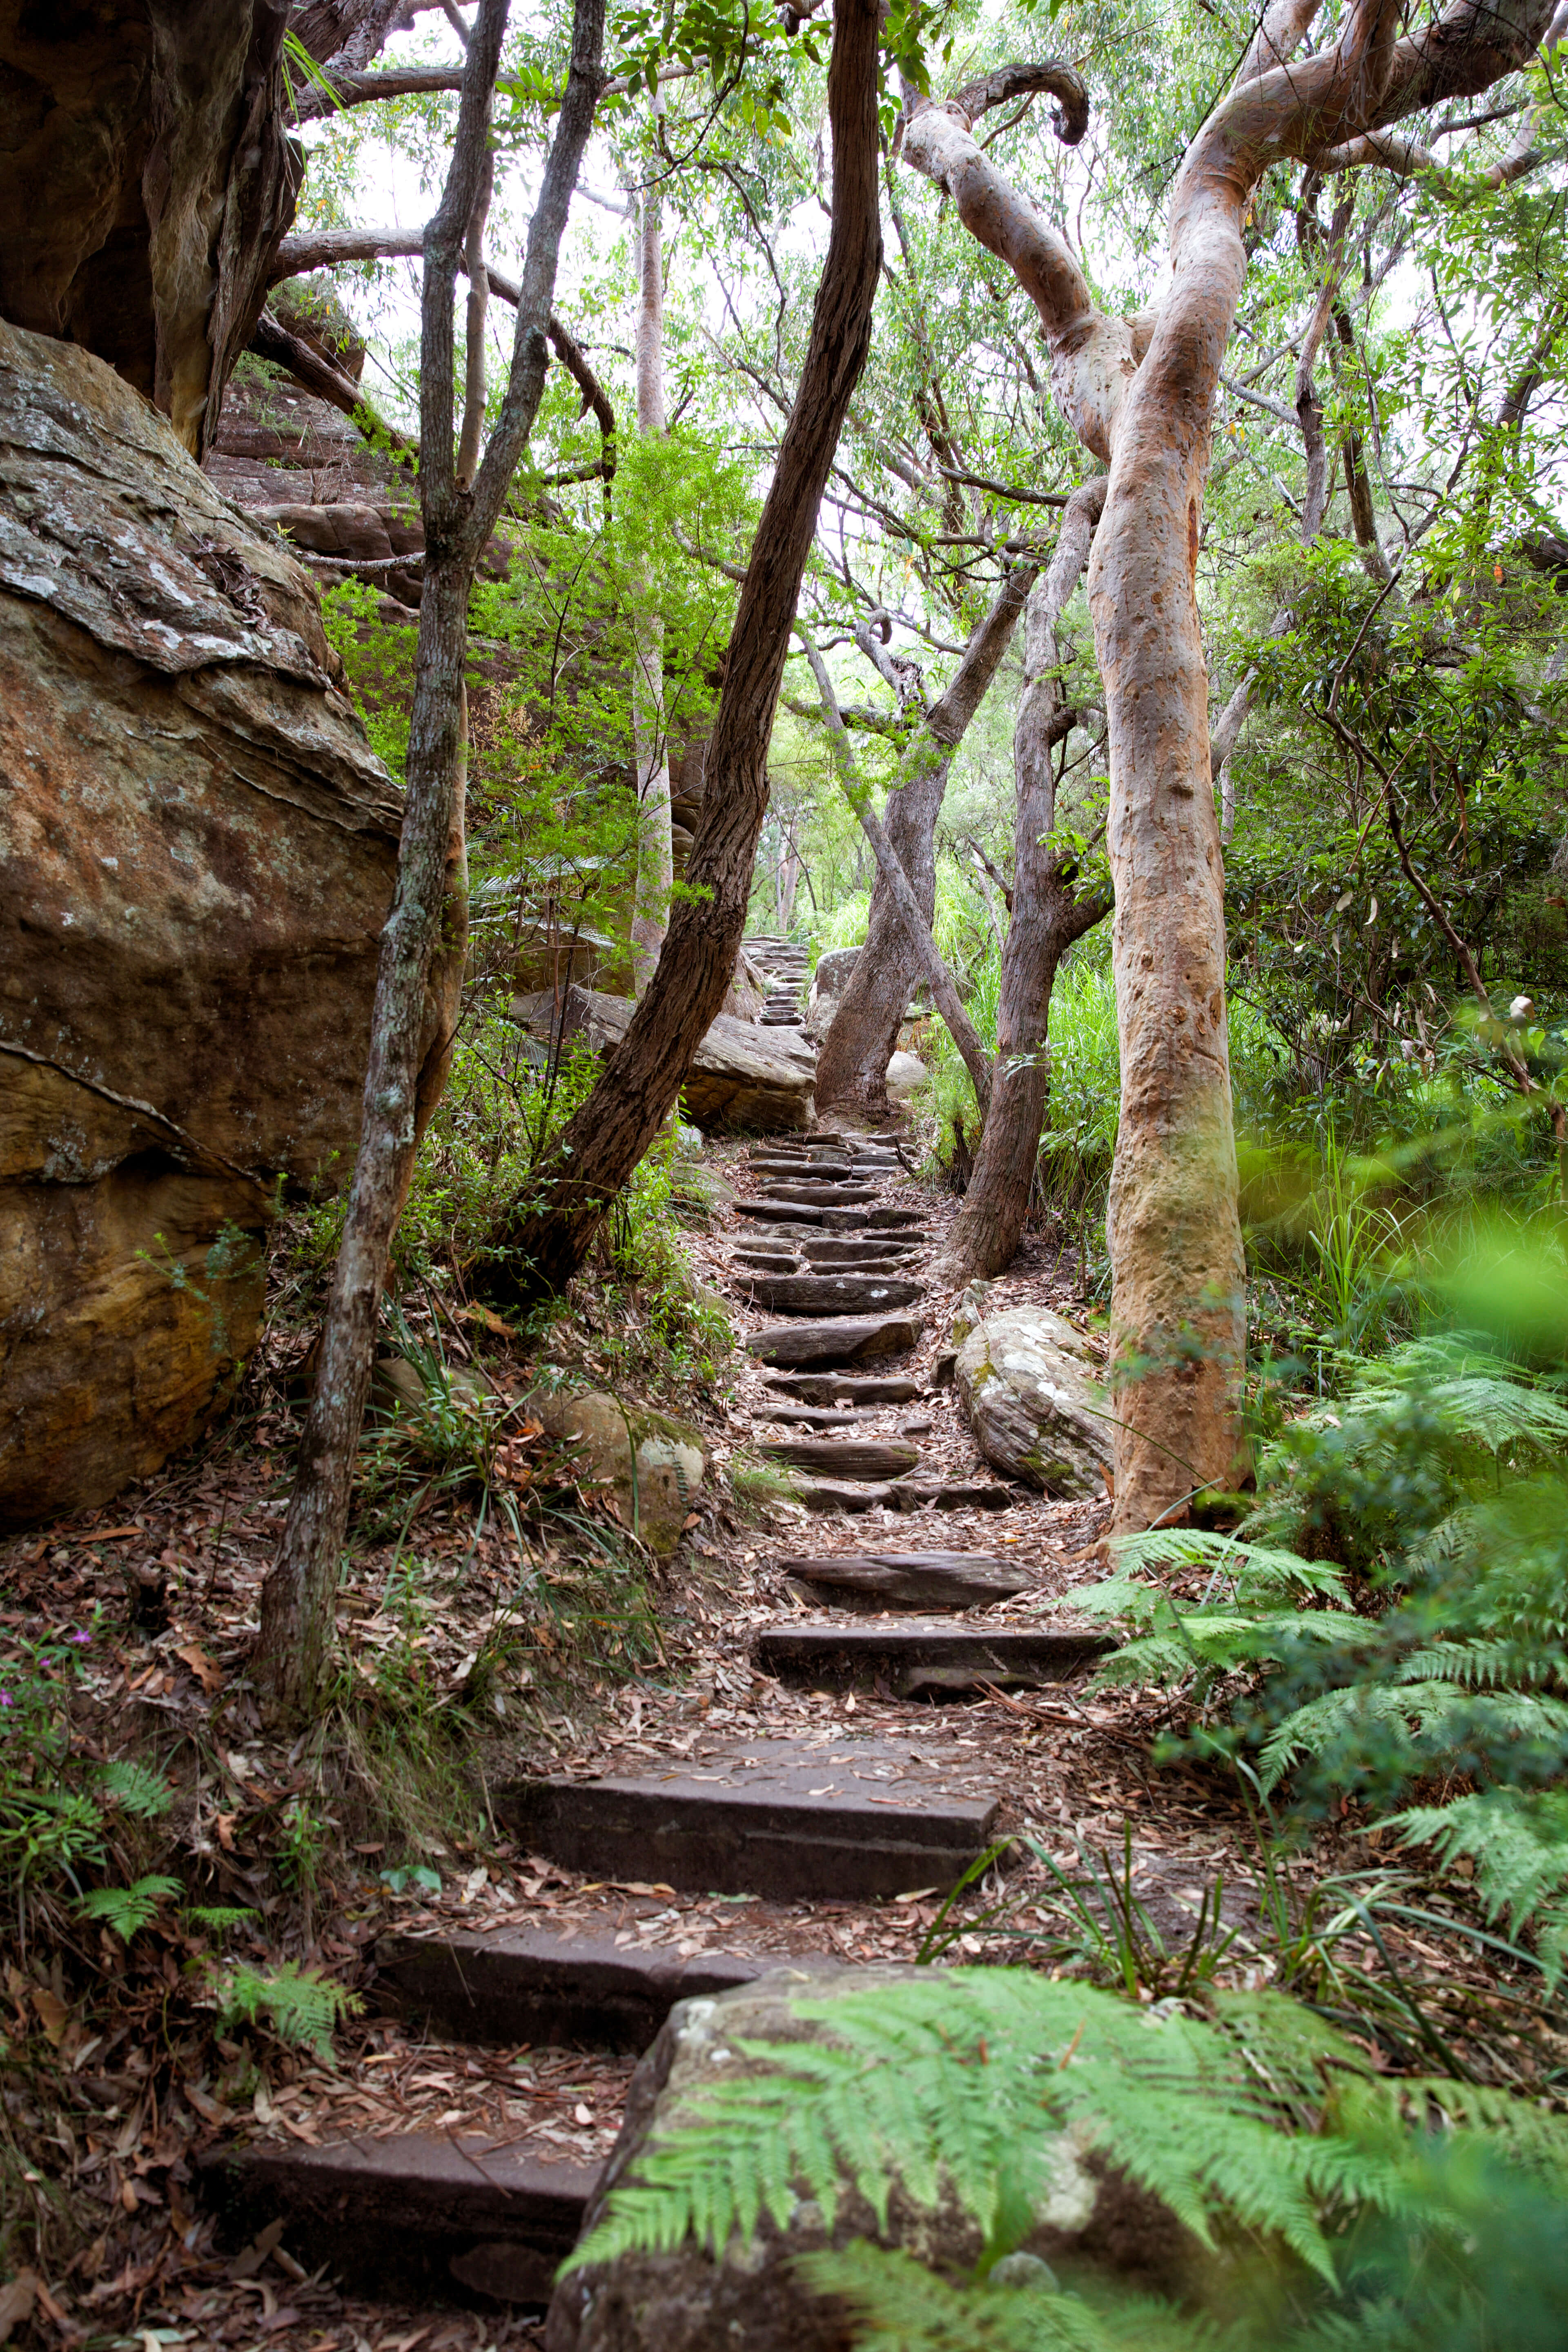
x=117 y=2077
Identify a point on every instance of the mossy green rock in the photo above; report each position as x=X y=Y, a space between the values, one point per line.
x=600 y=1433
x=1027 y=1384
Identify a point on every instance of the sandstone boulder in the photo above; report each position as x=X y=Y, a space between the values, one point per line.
x=683 y=2300
x=761 y=1080
x=599 y=1432
x=197 y=856
x=828 y=983
x=1027 y=1381
x=907 y=1073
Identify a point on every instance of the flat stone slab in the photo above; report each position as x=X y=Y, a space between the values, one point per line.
x=419 y=2214
x=830 y=1494
x=959 y=1497
x=848 y=1822
x=845 y=1340
x=930 y=1656
x=860 y=1387
x=911 y=1580
x=827 y=1193
x=896 y=1219
x=843 y=1457
x=771 y=1211
x=523 y=1984
x=811 y=1416
x=829 y=1249
x=832 y=1294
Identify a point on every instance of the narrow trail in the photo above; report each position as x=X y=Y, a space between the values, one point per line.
x=886 y=1693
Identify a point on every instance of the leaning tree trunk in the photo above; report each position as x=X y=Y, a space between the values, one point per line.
x=543 y=1241
x=852 y=1066
x=1139 y=391
x=1047 y=919
x=297 y=1601
x=656 y=839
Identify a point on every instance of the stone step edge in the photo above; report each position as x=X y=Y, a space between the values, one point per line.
x=419 y=2213
x=525 y=1984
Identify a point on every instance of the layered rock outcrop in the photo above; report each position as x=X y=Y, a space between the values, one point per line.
x=1027 y=1382
x=197 y=857
x=741 y=1076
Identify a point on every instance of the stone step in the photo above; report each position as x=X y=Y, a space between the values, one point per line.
x=799 y=1171
x=860 y=1387
x=824 y=1191
x=832 y=1294
x=843 y=1457
x=525 y=1985
x=830 y=1250
x=770 y=1211
x=811 y=1416
x=963 y=1495
x=909 y=1580
x=765 y=1261
x=420 y=2215
x=927 y=1656
x=847 y=1339
x=773 y=1818
x=895 y=1219
x=832 y=1495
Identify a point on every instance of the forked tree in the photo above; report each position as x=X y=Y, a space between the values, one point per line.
x=1139 y=394
x=461 y=496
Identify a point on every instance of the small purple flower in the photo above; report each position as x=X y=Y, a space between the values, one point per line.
x=5 y=1698
x=78 y=1638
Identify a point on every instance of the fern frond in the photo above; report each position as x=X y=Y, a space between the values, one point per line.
x=125 y=1910
x=900 y=2307
x=136 y=1788
x=1517 y=1839
x=302 y=2005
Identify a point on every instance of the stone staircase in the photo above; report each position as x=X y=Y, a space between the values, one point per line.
x=784 y=966
x=824 y=1275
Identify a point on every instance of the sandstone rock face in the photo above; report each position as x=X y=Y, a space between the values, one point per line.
x=145 y=177
x=828 y=983
x=907 y=1073
x=754 y=2296
x=1025 y=1381
x=196 y=854
x=669 y=1460
x=742 y=1077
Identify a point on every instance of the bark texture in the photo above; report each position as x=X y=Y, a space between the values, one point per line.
x=1140 y=394
x=916 y=929
x=864 y=1035
x=298 y=1599
x=546 y=1238
x=655 y=842
x=1046 y=917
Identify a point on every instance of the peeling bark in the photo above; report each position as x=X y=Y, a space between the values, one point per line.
x=1142 y=394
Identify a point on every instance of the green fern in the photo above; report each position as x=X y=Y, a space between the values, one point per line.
x=1517 y=1841
x=302 y=2005
x=966 y=2083
x=903 y=2307
x=126 y=1910
x=137 y=1789
x=218 y=1918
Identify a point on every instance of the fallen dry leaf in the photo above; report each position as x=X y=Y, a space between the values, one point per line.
x=209 y=1674
x=16 y=2302
x=53 y=2014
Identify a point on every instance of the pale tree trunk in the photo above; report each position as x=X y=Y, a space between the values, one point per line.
x=1046 y=919
x=297 y=1598
x=852 y=1066
x=1140 y=393
x=656 y=847
x=549 y=1229
x=922 y=949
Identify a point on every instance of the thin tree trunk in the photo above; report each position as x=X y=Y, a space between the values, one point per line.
x=916 y=929
x=863 y=1035
x=656 y=846
x=1046 y=919
x=549 y=1232
x=297 y=1598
